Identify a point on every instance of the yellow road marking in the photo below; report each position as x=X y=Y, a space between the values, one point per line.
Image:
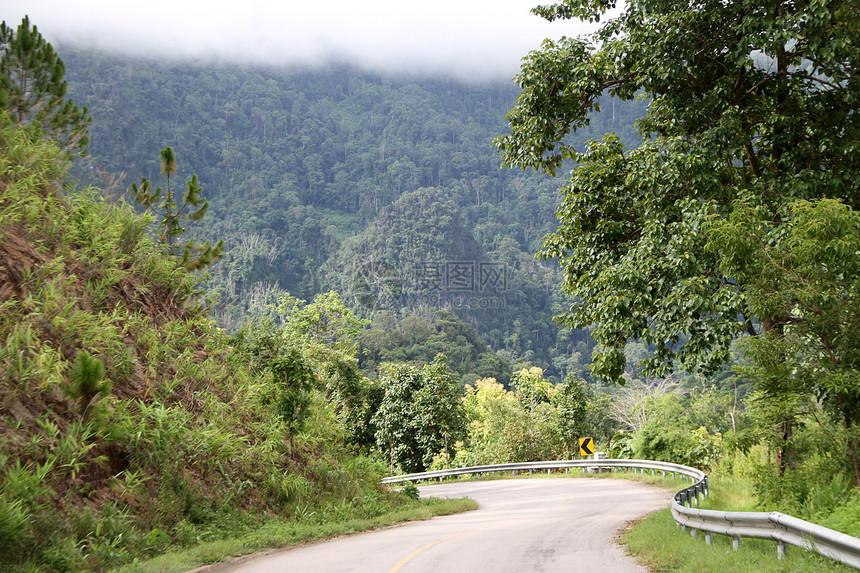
x=412 y=555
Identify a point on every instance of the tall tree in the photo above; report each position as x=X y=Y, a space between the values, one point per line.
x=421 y=414
x=32 y=88
x=572 y=404
x=748 y=99
x=192 y=257
x=807 y=270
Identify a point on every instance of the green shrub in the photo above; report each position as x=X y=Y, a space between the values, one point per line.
x=14 y=530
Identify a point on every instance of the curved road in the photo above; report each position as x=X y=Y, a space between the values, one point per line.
x=559 y=524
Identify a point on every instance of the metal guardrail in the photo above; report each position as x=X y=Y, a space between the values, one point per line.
x=642 y=465
x=784 y=529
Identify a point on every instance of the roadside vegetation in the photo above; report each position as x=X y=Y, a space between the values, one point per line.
x=276 y=533
x=658 y=543
x=131 y=424
x=729 y=236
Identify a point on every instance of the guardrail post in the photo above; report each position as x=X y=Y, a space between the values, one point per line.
x=709 y=538
x=736 y=542
x=780 y=549
x=693 y=532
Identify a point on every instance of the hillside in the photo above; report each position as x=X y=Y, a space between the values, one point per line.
x=301 y=165
x=129 y=423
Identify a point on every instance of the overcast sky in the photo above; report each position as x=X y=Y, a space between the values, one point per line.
x=481 y=39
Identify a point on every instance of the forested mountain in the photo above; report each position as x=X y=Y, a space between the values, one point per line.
x=334 y=178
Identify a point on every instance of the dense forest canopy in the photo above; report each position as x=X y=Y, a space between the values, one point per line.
x=310 y=171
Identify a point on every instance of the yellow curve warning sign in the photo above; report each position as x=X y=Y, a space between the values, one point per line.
x=586 y=447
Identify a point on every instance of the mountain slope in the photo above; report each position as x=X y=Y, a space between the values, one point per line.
x=296 y=161
x=127 y=421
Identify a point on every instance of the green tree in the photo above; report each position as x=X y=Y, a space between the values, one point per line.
x=489 y=408
x=439 y=411
x=534 y=426
x=421 y=414
x=33 y=88
x=572 y=402
x=322 y=328
x=310 y=349
x=290 y=380
x=531 y=388
x=192 y=257
x=395 y=431
x=86 y=378
x=747 y=99
x=805 y=270
x=325 y=331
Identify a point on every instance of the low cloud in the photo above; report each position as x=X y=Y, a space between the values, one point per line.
x=477 y=39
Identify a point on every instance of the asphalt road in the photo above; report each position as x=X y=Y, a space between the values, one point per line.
x=522 y=525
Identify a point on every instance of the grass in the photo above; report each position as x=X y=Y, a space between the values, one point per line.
x=660 y=545
x=277 y=533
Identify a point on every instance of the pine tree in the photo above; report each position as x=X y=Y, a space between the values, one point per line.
x=192 y=257
x=87 y=381
x=32 y=88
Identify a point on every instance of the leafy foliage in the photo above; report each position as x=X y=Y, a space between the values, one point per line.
x=420 y=414
x=311 y=348
x=750 y=101
x=536 y=421
x=418 y=337
x=805 y=274
x=572 y=399
x=86 y=378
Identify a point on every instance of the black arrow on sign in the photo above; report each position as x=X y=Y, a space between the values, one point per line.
x=586 y=446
